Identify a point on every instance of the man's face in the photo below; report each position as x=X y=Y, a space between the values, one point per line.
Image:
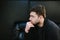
x=34 y=18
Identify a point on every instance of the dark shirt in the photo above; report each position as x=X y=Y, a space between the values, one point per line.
x=50 y=31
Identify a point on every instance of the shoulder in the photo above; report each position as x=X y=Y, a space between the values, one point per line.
x=51 y=25
x=54 y=28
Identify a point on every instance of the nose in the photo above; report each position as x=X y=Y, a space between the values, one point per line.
x=29 y=19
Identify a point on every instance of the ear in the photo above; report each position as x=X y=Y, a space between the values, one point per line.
x=40 y=16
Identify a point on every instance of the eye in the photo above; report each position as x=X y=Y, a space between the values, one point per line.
x=31 y=16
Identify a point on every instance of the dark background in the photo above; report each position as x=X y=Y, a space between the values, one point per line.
x=12 y=11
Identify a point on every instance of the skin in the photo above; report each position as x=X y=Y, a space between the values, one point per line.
x=34 y=19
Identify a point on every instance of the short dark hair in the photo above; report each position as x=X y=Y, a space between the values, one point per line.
x=40 y=10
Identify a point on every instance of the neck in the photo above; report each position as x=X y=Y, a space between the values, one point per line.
x=41 y=24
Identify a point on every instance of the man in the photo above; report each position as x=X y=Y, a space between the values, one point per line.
x=39 y=27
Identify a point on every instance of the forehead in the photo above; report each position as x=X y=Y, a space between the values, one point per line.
x=33 y=13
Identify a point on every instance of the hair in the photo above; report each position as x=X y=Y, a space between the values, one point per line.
x=40 y=10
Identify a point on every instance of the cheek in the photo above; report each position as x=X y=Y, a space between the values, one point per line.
x=35 y=20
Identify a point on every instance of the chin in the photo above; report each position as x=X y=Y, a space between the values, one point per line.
x=34 y=23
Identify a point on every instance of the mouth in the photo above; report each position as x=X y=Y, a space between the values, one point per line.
x=31 y=22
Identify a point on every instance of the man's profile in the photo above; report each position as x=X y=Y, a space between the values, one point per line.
x=43 y=28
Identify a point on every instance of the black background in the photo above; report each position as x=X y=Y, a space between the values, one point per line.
x=12 y=11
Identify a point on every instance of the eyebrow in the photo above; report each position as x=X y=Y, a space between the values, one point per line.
x=32 y=15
